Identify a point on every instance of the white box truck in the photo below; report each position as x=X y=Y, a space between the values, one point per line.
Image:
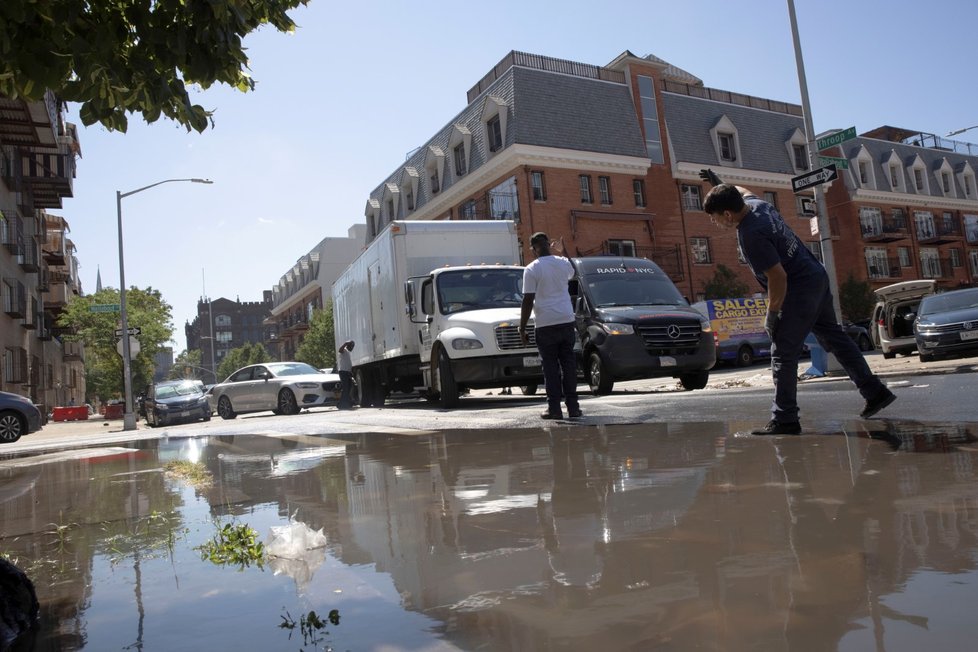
x=433 y=307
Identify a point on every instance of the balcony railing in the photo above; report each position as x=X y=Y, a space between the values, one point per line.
x=49 y=172
x=14 y=298
x=547 y=64
x=728 y=97
x=29 y=259
x=936 y=268
x=939 y=231
x=890 y=268
x=886 y=229
x=12 y=230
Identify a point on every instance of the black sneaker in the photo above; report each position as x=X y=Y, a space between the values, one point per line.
x=778 y=428
x=575 y=414
x=876 y=404
x=552 y=415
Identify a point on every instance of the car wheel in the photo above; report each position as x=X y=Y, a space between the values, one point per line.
x=745 y=356
x=694 y=380
x=528 y=390
x=926 y=357
x=287 y=403
x=889 y=355
x=12 y=426
x=598 y=377
x=865 y=344
x=447 y=387
x=224 y=408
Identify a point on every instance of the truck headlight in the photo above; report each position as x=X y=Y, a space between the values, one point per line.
x=466 y=344
x=612 y=328
x=706 y=326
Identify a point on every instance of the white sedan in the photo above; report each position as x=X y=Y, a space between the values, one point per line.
x=282 y=387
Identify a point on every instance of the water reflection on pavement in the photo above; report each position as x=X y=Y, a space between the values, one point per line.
x=636 y=537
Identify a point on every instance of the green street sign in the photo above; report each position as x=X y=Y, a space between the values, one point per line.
x=841 y=163
x=104 y=307
x=836 y=138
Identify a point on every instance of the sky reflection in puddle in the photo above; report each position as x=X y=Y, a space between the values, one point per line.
x=617 y=537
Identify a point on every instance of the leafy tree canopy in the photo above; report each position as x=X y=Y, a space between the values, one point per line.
x=724 y=285
x=856 y=299
x=243 y=356
x=145 y=309
x=117 y=57
x=318 y=347
x=187 y=365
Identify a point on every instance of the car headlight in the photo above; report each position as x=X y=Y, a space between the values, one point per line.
x=706 y=326
x=466 y=344
x=612 y=328
x=307 y=385
x=162 y=407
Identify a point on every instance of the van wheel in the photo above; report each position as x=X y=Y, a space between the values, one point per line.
x=695 y=380
x=528 y=390
x=926 y=357
x=598 y=377
x=447 y=387
x=865 y=344
x=889 y=355
x=745 y=356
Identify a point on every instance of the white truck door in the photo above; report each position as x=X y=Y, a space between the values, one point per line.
x=375 y=289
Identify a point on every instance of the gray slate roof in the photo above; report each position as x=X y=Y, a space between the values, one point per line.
x=932 y=158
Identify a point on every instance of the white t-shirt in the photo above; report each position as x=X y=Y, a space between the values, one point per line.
x=345 y=363
x=546 y=277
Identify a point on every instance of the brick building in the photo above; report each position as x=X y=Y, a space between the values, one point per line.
x=222 y=325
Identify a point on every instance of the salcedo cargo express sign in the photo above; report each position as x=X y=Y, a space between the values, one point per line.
x=736 y=317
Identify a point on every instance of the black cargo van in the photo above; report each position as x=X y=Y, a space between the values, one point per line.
x=633 y=323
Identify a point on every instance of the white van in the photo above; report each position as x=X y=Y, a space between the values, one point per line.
x=896 y=308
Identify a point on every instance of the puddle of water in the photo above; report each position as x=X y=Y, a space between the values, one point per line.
x=622 y=537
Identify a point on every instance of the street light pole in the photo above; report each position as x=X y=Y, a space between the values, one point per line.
x=129 y=418
x=960 y=131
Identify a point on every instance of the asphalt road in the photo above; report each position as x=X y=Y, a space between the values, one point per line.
x=941 y=392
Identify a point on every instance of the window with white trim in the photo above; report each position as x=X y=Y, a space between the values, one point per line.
x=865 y=170
x=863 y=173
x=728 y=147
x=954 y=256
x=918 y=179
x=973 y=257
x=638 y=192
x=924 y=221
x=870 y=221
x=604 y=188
x=899 y=218
x=800 y=153
x=699 y=249
x=930 y=263
x=621 y=248
x=877 y=265
x=816 y=249
x=537 y=183
x=586 y=196
x=948 y=224
x=797 y=148
x=494 y=134
x=467 y=211
x=771 y=198
x=970 y=228
x=894 y=176
x=894 y=167
x=946 y=182
x=692 y=199
x=726 y=143
x=944 y=176
x=458 y=154
x=903 y=257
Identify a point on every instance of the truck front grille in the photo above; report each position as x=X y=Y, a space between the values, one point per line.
x=508 y=338
x=671 y=338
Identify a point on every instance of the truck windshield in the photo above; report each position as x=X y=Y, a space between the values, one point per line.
x=609 y=290
x=479 y=288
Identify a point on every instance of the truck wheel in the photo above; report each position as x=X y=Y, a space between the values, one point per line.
x=598 y=377
x=694 y=380
x=447 y=387
x=926 y=357
x=889 y=355
x=364 y=388
x=528 y=390
x=745 y=356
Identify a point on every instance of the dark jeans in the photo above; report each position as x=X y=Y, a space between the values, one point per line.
x=808 y=308
x=556 y=346
x=346 y=388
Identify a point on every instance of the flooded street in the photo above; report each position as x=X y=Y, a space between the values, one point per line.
x=641 y=537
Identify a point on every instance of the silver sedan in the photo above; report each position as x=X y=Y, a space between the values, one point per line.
x=282 y=387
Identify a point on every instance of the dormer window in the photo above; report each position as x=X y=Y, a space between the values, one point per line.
x=894 y=176
x=863 y=173
x=966 y=180
x=726 y=142
x=433 y=166
x=494 y=114
x=728 y=148
x=918 y=179
x=390 y=209
x=494 y=134
x=461 y=146
x=865 y=170
x=433 y=179
x=459 y=155
x=800 y=156
x=945 y=180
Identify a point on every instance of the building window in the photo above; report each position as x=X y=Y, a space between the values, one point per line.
x=223 y=337
x=586 y=197
x=894 y=175
x=925 y=225
x=973 y=257
x=650 y=119
x=863 y=173
x=801 y=157
x=816 y=249
x=638 y=190
x=700 y=250
x=771 y=198
x=459 y=154
x=876 y=263
x=930 y=263
x=495 y=134
x=539 y=189
x=967 y=185
x=899 y=219
x=222 y=320
x=870 y=221
x=410 y=200
x=954 y=255
x=946 y=182
x=621 y=248
x=971 y=228
x=903 y=257
x=604 y=187
x=434 y=183
x=728 y=151
x=691 y=198
x=918 y=179
x=467 y=210
x=390 y=210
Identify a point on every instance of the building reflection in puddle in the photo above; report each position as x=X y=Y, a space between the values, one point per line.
x=623 y=537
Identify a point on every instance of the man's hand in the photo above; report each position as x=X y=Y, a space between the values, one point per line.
x=708 y=175
x=771 y=323
x=523 y=336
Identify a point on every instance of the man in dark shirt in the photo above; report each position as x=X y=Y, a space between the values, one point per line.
x=799 y=302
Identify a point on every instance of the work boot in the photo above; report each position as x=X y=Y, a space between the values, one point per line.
x=774 y=427
x=552 y=415
x=877 y=403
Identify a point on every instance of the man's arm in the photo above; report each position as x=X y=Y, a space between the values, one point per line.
x=525 y=310
x=777 y=287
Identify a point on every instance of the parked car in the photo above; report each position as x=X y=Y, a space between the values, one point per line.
x=859 y=335
x=338 y=385
x=18 y=417
x=947 y=324
x=282 y=387
x=894 y=315
x=175 y=400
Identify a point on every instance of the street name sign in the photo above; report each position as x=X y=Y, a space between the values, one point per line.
x=839 y=162
x=135 y=330
x=836 y=138
x=104 y=307
x=814 y=178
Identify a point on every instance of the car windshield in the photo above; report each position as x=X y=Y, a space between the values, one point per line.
x=186 y=388
x=949 y=302
x=480 y=288
x=632 y=290
x=291 y=369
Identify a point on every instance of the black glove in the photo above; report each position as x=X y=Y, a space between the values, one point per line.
x=708 y=175
x=771 y=323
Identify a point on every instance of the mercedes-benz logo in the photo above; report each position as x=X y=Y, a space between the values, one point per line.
x=673 y=331
x=968 y=325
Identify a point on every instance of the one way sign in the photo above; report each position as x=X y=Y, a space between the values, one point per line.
x=814 y=178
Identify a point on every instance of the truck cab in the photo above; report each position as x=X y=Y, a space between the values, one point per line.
x=633 y=323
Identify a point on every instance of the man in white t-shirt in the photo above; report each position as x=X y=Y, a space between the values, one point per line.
x=545 y=295
x=344 y=366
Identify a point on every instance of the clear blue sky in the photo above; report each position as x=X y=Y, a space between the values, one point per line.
x=340 y=102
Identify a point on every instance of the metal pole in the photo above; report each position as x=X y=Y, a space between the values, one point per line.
x=128 y=418
x=824 y=230
x=210 y=312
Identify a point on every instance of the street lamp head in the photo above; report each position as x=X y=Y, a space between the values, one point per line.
x=208 y=181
